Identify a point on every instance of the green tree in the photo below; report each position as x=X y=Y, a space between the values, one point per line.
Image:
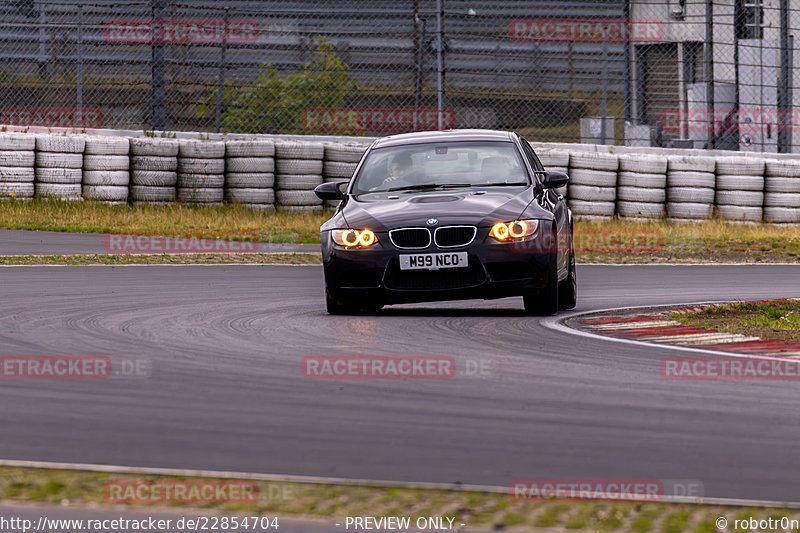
x=275 y=103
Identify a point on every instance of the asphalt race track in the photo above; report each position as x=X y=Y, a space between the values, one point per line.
x=226 y=390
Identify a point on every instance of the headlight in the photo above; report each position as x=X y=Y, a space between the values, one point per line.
x=514 y=230
x=354 y=238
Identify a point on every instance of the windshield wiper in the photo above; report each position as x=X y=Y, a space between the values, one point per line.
x=425 y=186
x=502 y=184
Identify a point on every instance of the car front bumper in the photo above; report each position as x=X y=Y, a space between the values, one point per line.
x=495 y=270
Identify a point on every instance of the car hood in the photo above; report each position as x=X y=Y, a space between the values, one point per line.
x=481 y=207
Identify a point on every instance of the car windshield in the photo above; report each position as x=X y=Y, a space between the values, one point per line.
x=445 y=164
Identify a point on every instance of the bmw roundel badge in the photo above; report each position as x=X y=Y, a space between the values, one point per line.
x=433 y=221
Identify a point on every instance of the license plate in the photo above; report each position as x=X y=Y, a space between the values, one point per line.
x=433 y=261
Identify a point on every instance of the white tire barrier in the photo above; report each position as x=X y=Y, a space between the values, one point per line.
x=299 y=150
x=641 y=186
x=15 y=158
x=16 y=189
x=642 y=164
x=106 y=177
x=195 y=149
x=297 y=198
x=636 y=179
x=740 y=166
x=589 y=193
x=263 y=165
x=642 y=194
x=58 y=160
x=740 y=183
x=553 y=159
x=201 y=181
x=99 y=145
x=141 y=193
x=105 y=162
x=106 y=193
x=344 y=153
x=598 y=209
x=201 y=195
x=594 y=161
x=691 y=187
x=154 y=178
x=60 y=144
x=740 y=213
x=595 y=178
x=640 y=210
x=740 y=198
x=201 y=172
x=17 y=142
x=782 y=215
x=336 y=169
x=298 y=166
x=154 y=162
x=249 y=148
x=201 y=166
x=59 y=175
x=149 y=146
x=17 y=174
x=62 y=191
x=298 y=170
x=250 y=196
x=250 y=180
x=296 y=182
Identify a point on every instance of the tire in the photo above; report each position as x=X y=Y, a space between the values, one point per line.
x=250 y=180
x=692 y=195
x=336 y=307
x=297 y=198
x=201 y=194
x=781 y=215
x=264 y=208
x=154 y=162
x=196 y=149
x=201 y=166
x=592 y=194
x=17 y=174
x=24 y=159
x=791 y=200
x=593 y=161
x=250 y=196
x=641 y=194
x=148 y=146
x=782 y=168
x=18 y=189
x=740 y=183
x=298 y=166
x=250 y=165
x=201 y=181
x=344 y=153
x=297 y=182
x=553 y=158
x=152 y=194
x=106 y=177
x=335 y=169
x=740 y=198
x=154 y=178
x=99 y=145
x=59 y=175
x=740 y=166
x=248 y=148
x=60 y=144
x=299 y=150
x=773 y=184
x=691 y=163
x=684 y=178
x=640 y=209
x=17 y=142
x=737 y=212
x=568 y=289
x=595 y=178
x=59 y=190
x=106 y=162
x=544 y=302
x=637 y=179
x=581 y=207
x=301 y=208
x=105 y=192
x=58 y=160
x=643 y=163
x=692 y=211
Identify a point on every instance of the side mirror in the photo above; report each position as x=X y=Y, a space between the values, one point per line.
x=554 y=179
x=331 y=190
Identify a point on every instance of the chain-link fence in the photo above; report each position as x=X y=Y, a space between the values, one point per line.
x=602 y=71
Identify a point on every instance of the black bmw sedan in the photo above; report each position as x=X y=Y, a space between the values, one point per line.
x=448 y=215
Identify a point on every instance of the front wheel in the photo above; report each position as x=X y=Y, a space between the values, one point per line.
x=544 y=302
x=337 y=307
x=568 y=289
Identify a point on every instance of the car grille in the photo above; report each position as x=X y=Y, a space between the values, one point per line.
x=410 y=238
x=443 y=279
x=454 y=236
